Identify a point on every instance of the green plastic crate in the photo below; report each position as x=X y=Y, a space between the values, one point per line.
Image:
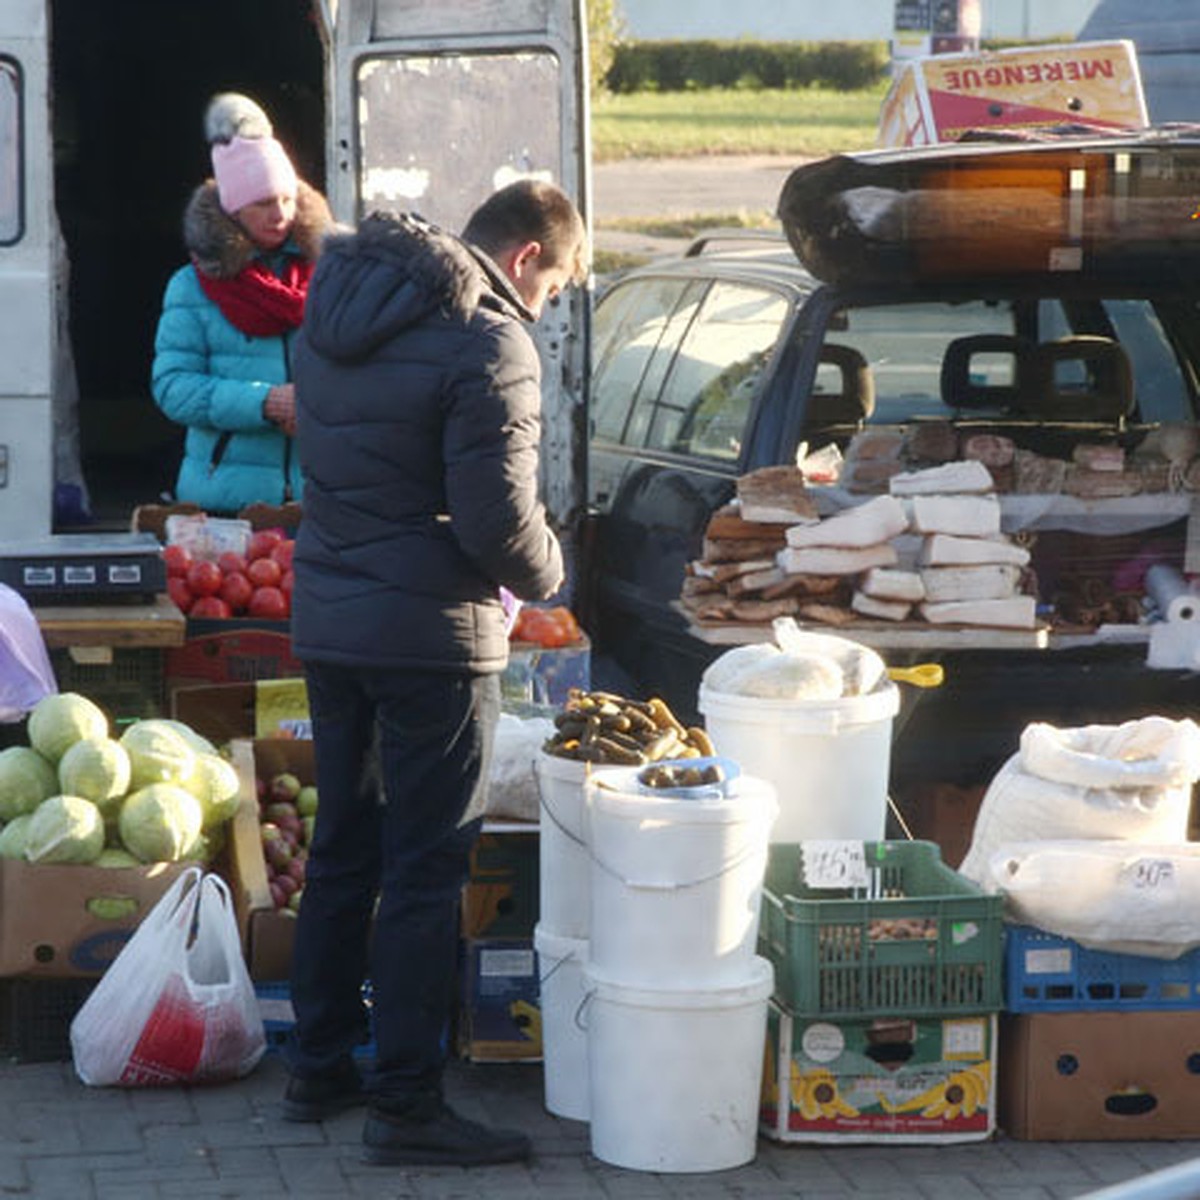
x=921 y=941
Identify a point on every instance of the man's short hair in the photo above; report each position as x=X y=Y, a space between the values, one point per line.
x=531 y=210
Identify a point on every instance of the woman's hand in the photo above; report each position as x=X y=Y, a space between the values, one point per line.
x=280 y=407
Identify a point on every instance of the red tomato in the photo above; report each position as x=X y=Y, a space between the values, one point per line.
x=236 y=590
x=204 y=578
x=287 y=582
x=179 y=591
x=262 y=542
x=210 y=606
x=282 y=553
x=177 y=558
x=231 y=561
x=269 y=603
x=264 y=572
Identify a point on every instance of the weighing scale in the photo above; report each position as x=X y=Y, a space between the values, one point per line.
x=91 y=567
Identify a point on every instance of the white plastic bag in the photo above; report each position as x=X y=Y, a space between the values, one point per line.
x=1129 y=782
x=25 y=671
x=1120 y=897
x=512 y=783
x=177 y=1004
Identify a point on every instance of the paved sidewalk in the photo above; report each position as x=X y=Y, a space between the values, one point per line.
x=59 y=1139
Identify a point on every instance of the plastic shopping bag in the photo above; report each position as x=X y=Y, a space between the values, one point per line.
x=177 y=1004
x=25 y=671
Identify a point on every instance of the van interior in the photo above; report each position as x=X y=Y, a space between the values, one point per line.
x=130 y=81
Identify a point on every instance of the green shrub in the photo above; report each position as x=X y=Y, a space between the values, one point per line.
x=678 y=65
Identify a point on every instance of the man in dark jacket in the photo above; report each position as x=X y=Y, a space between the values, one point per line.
x=418 y=425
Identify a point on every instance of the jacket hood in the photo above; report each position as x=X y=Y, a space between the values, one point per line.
x=393 y=273
x=219 y=246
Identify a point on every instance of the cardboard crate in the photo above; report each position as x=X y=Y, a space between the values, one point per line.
x=267 y=933
x=1100 y=1076
x=500 y=1018
x=914 y=938
x=1047 y=973
x=879 y=1079
x=501 y=897
x=71 y=921
x=538 y=675
x=237 y=650
x=224 y=711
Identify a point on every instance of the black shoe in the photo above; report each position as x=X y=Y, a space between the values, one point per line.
x=431 y=1133
x=318 y=1097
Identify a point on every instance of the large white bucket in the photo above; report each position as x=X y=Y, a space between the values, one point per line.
x=675 y=1074
x=829 y=760
x=676 y=884
x=561 y=963
x=562 y=846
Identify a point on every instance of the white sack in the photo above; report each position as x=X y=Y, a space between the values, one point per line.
x=1063 y=784
x=512 y=784
x=1118 y=897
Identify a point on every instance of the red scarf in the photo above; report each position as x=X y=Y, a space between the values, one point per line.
x=258 y=302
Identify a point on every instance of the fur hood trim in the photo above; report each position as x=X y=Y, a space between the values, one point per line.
x=219 y=246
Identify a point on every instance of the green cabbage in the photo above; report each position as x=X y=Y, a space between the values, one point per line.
x=198 y=742
x=157 y=754
x=98 y=769
x=26 y=779
x=116 y=857
x=64 y=829
x=160 y=822
x=12 y=837
x=60 y=720
x=214 y=783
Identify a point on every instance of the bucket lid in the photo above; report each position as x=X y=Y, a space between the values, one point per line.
x=755 y=985
x=616 y=791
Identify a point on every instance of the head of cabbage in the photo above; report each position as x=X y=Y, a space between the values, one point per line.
x=160 y=822
x=98 y=769
x=60 y=720
x=26 y=779
x=214 y=782
x=157 y=754
x=12 y=838
x=64 y=829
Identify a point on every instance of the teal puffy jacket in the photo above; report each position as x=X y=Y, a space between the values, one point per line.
x=213 y=378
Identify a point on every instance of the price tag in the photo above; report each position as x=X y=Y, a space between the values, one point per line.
x=1149 y=874
x=830 y=864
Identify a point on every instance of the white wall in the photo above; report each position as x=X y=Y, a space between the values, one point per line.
x=817 y=20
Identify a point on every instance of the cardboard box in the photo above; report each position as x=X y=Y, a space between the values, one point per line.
x=238 y=650
x=937 y=98
x=928 y=1079
x=1100 y=1076
x=542 y=676
x=500 y=1019
x=224 y=711
x=267 y=932
x=71 y=921
x=501 y=897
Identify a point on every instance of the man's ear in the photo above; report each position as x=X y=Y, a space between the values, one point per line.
x=521 y=258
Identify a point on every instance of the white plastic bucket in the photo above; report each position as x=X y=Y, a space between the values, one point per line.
x=829 y=760
x=676 y=884
x=562 y=846
x=675 y=1074
x=561 y=963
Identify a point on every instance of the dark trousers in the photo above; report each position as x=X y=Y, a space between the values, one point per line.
x=402 y=760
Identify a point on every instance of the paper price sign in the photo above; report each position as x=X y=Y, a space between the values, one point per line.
x=1151 y=873
x=833 y=864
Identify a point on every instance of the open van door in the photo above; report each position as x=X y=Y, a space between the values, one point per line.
x=433 y=107
x=27 y=291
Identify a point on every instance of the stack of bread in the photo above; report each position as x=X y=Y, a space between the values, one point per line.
x=971 y=573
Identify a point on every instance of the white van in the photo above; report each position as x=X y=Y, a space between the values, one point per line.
x=394 y=104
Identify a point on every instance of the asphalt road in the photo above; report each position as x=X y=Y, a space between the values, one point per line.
x=671 y=187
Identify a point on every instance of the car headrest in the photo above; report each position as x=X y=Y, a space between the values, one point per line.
x=854 y=399
x=962 y=388
x=1081 y=378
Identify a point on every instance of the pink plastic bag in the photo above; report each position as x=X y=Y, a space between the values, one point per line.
x=25 y=671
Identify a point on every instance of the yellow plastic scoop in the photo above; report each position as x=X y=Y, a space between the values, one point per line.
x=923 y=675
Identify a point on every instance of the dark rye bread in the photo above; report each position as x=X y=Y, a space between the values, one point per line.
x=776 y=495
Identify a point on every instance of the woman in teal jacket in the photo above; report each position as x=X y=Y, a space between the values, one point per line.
x=222 y=351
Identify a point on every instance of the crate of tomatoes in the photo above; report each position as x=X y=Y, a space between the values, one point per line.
x=549 y=654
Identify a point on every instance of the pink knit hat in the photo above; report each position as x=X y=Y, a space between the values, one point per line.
x=250 y=165
x=251 y=169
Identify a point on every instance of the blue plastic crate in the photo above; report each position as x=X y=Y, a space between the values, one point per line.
x=275 y=1005
x=1047 y=973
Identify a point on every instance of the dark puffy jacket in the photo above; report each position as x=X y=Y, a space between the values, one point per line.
x=418 y=423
